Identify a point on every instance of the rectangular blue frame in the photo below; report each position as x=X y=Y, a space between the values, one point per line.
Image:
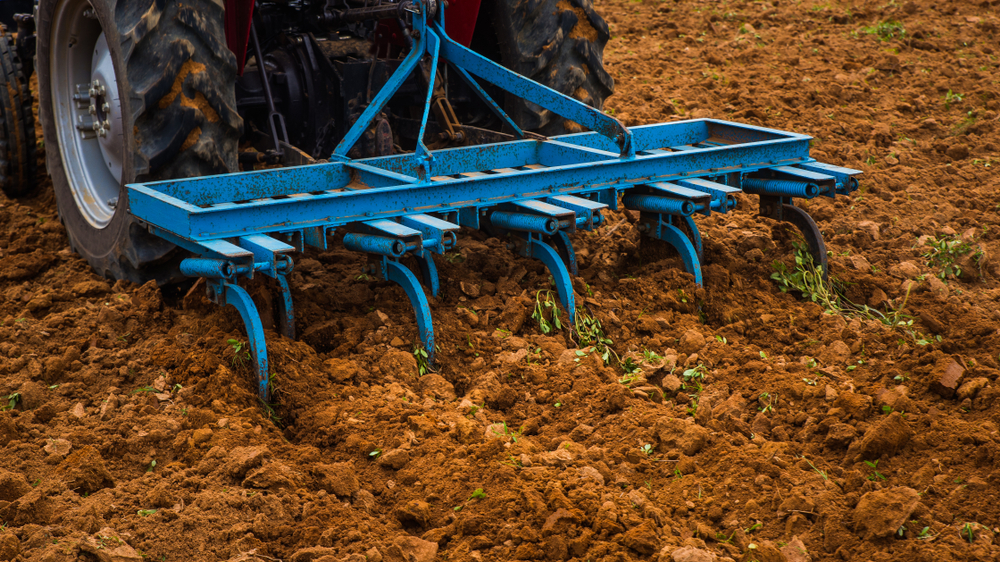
x=335 y=194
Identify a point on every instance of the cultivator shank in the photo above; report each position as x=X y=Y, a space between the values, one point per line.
x=536 y=191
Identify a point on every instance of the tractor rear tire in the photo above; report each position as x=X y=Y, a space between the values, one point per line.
x=132 y=91
x=18 y=146
x=558 y=43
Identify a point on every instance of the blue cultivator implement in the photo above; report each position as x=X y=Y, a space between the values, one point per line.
x=537 y=190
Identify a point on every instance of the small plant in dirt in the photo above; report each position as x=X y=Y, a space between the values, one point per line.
x=692 y=410
x=375 y=454
x=720 y=537
x=630 y=367
x=766 y=401
x=944 y=253
x=695 y=375
x=152 y=465
x=875 y=475
x=507 y=431
x=628 y=379
x=651 y=357
x=512 y=461
x=270 y=412
x=423 y=364
x=241 y=353
x=822 y=473
x=968 y=532
x=12 y=400
x=146 y=512
x=952 y=97
x=886 y=30
x=546 y=312
x=646 y=449
x=477 y=494
x=589 y=332
x=807 y=279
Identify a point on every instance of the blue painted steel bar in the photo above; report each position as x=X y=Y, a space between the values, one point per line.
x=566 y=217
x=554 y=101
x=336 y=208
x=428 y=271
x=723 y=196
x=269 y=251
x=433 y=228
x=497 y=110
x=286 y=310
x=564 y=246
x=316 y=236
x=372 y=244
x=689 y=255
x=224 y=293
x=420 y=245
x=589 y=223
x=424 y=156
x=393 y=229
x=846 y=177
x=208 y=268
x=384 y=95
x=225 y=249
x=402 y=276
x=778 y=148
x=522 y=222
x=702 y=201
x=543 y=208
x=660 y=226
x=537 y=249
x=825 y=182
x=783 y=188
x=589 y=211
x=658 y=204
x=695 y=236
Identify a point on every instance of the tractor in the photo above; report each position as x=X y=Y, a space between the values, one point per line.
x=144 y=90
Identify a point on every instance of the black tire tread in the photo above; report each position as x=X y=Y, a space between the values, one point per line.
x=18 y=147
x=558 y=43
x=178 y=78
x=195 y=131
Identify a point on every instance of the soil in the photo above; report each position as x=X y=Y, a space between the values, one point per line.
x=805 y=435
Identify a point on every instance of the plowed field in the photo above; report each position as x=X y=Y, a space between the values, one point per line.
x=732 y=421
